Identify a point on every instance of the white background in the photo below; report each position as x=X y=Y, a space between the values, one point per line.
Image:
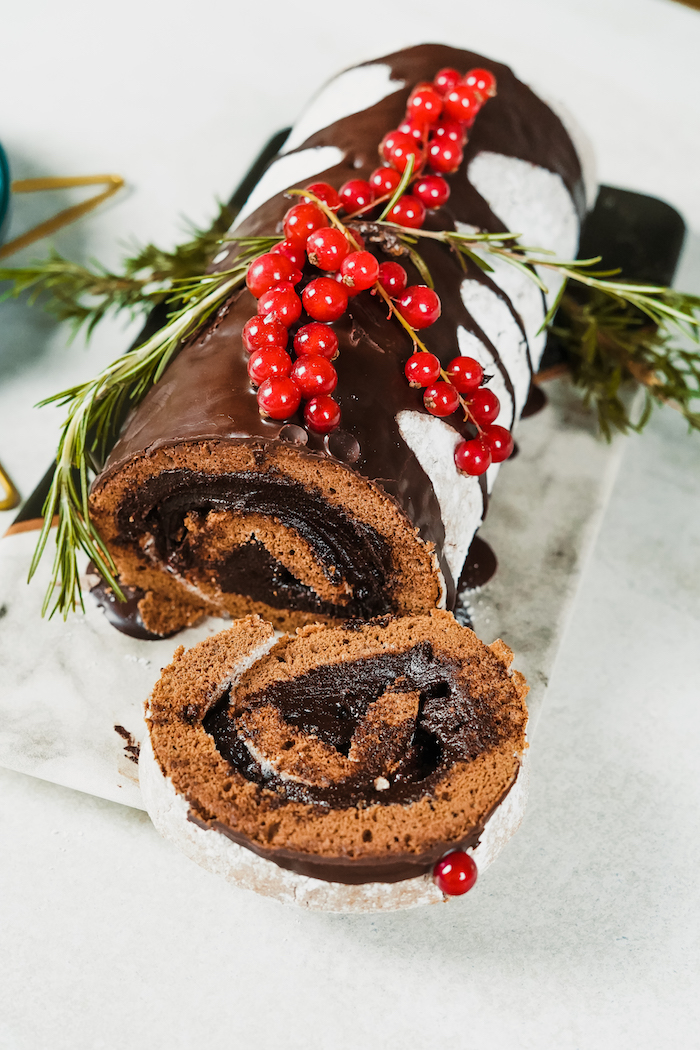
x=585 y=933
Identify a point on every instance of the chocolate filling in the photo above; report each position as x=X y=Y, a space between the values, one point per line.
x=350 y=552
x=329 y=703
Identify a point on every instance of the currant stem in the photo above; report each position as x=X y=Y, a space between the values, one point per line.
x=423 y=348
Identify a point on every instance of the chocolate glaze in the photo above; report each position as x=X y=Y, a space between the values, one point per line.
x=206 y=395
x=479 y=567
x=125 y=616
x=329 y=703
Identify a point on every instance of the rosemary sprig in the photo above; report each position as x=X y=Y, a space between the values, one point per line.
x=607 y=343
x=93 y=408
x=84 y=295
x=607 y=338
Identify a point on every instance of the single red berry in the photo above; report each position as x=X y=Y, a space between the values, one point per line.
x=446 y=79
x=397 y=147
x=473 y=457
x=408 y=211
x=280 y=303
x=268 y=270
x=327 y=248
x=294 y=251
x=465 y=373
x=441 y=399
x=424 y=105
x=270 y=363
x=384 y=180
x=314 y=375
x=419 y=305
x=324 y=299
x=278 y=398
x=431 y=190
x=258 y=333
x=462 y=103
x=451 y=130
x=455 y=874
x=500 y=441
x=356 y=194
x=444 y=156
x=360 y=271
x=322 y=414
x=301 y=221
x=484 y=406
x=412 y=128
x=315 y=339
x=393 y=278
x=482 y=82
x=325 y=193
x=422 y=369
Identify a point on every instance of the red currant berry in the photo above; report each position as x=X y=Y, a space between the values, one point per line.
x=455 y=874
x=258 y=333
x=397 y=147
x=451 y=130
x=424 y=105
x=325 y=193
x=431 y=190
x=356 y=194
x=270 y=363
x=412 y=128
x=327 y=248
x=393 y=278
x=444 y=156
x=441 y=399
x=324 y=299
x=462 y=103
x=315 y=339
x=484 y=406
x=278 y=398
x=419 y=305
x=280 y=303
x=422 y=369
x=314 y=375
x=473 y=457
x=294 y=251
x=322 y=414
x=384 y=180
x=360 y=271
x=301 y=221
x=267 y=271
x=500 y=441
x=482 y=82
x=446 y=79
x=408 y=211
x=465 y=373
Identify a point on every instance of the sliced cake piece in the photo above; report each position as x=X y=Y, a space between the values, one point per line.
x=335 y=767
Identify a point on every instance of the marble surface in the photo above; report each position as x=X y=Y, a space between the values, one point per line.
x=72 y=693
x=585 y=934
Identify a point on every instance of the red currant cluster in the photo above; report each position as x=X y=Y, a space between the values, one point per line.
x=462 y=385
x=433 y=133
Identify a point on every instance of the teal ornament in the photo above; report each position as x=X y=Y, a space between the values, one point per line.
x=4 y=194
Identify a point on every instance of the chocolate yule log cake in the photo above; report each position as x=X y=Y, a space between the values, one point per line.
x=335 y=767
x=219 y=500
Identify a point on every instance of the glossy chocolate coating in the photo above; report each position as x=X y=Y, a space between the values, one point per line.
x=206 y=394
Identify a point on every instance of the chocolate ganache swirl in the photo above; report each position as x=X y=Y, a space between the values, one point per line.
x=206 y=396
